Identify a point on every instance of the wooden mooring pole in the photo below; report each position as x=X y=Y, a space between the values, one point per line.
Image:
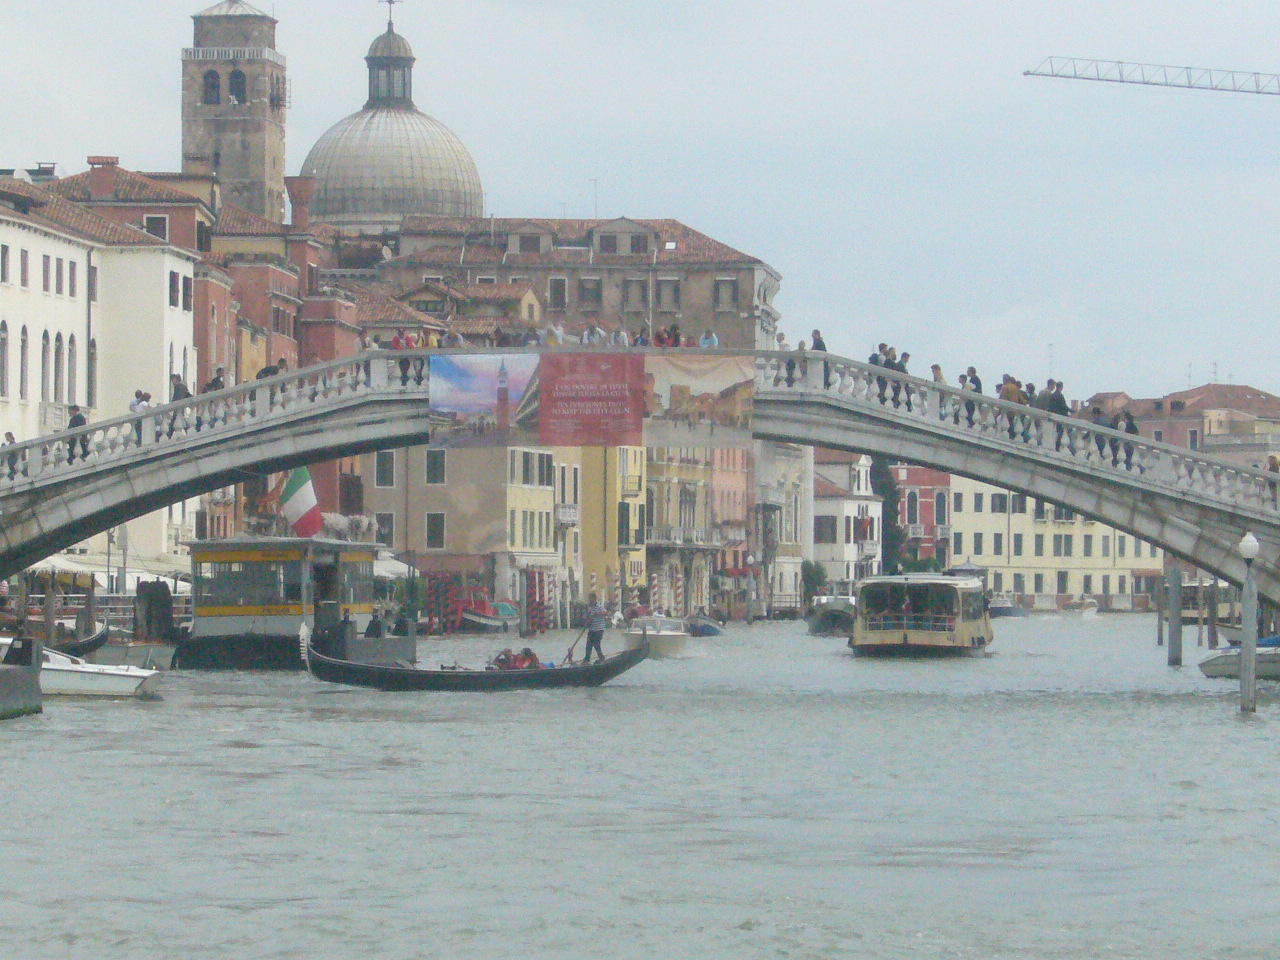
x=1175 y=617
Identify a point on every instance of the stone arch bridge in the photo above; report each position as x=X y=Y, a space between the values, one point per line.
x=56 y=491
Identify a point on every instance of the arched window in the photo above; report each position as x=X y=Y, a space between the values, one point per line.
x=22 y=365
x=91 y=375
x=237 y=87
x=940 y=508
x=71 y=369
x=58 y=378
x=913 y=508
x=4 y=359
x=212 y=94
x=44 y=366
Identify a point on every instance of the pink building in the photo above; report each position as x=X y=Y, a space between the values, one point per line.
x=924 y=512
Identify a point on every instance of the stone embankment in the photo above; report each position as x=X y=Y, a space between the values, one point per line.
x=19 y=690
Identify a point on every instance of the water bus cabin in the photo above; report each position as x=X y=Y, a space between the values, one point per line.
x=252 y=595
x=921 y=615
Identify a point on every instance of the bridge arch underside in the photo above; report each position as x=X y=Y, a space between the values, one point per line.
x=49 y=517
x=1199 y=532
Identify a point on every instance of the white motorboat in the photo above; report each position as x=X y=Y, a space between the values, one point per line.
x=667 y=636
x=62 y=675
x=1227 y=664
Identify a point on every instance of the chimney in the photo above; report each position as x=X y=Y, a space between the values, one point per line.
x=43 y=172
x=301 y=190
x=102 y=177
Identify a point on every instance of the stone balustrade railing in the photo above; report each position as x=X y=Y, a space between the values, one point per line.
x=946 y=409
x=211 y=416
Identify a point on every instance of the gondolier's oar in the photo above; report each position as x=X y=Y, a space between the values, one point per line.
x=569 y=656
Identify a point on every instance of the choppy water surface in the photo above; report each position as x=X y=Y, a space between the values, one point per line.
x=1068 y=796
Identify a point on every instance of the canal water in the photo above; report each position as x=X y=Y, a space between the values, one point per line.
x=1067 y=796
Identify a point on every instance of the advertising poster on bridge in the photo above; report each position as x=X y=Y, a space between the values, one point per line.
x=592 y=400
x=695 y=400
x=701 y=498
x=491 y=400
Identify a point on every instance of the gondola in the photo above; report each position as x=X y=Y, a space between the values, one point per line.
x=82 y=648
x=381 y=677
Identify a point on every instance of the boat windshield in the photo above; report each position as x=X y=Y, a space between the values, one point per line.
x=247 y=584
x=914 y=606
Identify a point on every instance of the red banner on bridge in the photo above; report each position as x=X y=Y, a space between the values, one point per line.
x=591 y=400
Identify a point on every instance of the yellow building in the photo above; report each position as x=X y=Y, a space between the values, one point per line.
x=486 y=511
x=1047 y=555
x=613 y=521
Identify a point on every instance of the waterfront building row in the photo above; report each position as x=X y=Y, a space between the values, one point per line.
x=1044 y=555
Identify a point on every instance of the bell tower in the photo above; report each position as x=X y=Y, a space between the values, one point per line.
x=234 y=95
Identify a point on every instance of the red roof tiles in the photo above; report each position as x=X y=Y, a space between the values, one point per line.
x=235 y=221
x=826 y=490
x=53 y=211
x=485 y=241
x=127 y=187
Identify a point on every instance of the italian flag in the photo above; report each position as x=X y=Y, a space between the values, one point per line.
x=298 y=504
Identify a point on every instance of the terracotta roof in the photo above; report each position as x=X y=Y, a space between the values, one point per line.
x=375 y=306
x=50 y=210
x=1209 y=396
x=824 y=489
x=475 y=326
x=127 y=187
x=438 y=287
x=236 y=221
x=490 y=292
x=827 y=455
x=489 y=234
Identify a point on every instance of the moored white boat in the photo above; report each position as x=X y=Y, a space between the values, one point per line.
x=1085 y=609
x=667 y=636
x=1002 y=605
x=1227 y=664
x=66 y=676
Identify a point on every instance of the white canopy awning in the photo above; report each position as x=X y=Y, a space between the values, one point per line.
x=387 y=567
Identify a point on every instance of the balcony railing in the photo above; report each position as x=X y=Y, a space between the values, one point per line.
x=685 y=537
x=632 y=486
x=567 y=514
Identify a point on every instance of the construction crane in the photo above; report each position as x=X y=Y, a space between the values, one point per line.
x=1158 y=75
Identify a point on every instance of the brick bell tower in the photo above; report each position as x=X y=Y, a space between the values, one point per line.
x=234 y=96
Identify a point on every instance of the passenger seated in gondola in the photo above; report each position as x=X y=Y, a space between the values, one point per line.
x=526 y=659
x=376 y=629
x=402 y=628
x=506 y=660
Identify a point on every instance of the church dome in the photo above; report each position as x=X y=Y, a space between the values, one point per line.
x=391 y=159
x=391 y=44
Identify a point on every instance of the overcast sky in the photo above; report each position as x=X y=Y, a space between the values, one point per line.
x=889 y=159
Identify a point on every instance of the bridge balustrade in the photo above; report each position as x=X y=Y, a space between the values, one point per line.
x=211 y=416
x=950 y=410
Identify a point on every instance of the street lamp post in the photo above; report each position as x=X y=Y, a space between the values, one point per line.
x=1248 y=548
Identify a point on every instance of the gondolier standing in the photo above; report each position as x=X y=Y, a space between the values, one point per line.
x=597 y=623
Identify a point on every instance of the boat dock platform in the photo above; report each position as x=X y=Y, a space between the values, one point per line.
x=19 y=684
